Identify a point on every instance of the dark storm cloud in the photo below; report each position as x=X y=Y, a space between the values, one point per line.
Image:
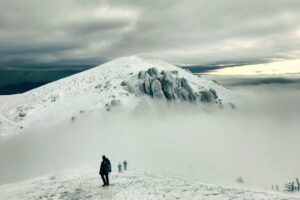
x=205 y=32
x=182 y=32
x=94 y=26
x=233 y=81
x=263 y=81
x=35 y=32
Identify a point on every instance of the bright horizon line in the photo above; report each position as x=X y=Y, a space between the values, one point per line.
x=272 y=68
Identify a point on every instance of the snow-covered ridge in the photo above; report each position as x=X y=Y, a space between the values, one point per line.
x=133 y=186
x=99 y=88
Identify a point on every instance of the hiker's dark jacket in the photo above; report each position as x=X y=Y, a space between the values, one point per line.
x=105 y=167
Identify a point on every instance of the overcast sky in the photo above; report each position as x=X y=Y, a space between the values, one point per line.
x=193 y=32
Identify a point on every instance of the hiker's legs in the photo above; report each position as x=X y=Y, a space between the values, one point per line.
x=103 y=179
x=107 y=179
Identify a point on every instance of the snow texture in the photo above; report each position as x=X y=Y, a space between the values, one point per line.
x=131 y=186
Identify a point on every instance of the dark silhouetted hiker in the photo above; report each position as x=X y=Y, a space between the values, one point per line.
x=125 y=164
x=105 y=169
x=120 y=167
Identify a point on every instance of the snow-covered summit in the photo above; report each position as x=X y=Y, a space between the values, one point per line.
x=114 y=84
x=134 y=186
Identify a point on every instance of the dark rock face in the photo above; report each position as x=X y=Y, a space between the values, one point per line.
x=214 y=93
x=186 y=86
x=168 y=89
x=142 y=87
x=183 y=94
x=147 y=84
x=123 y=83
x=142 y=75
x=192 y=97
x=167 y=85
x=207 y=96
x=153 y=72
x=22 y=114
x=165 y=73
x=156 y=89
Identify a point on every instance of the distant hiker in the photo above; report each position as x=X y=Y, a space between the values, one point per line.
x=105 y=169
x=120 y=167
x=125 y=164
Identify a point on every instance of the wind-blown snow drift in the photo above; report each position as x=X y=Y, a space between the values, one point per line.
x=126 y=83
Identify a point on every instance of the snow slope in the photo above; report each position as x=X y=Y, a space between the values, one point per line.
x=131 y=186
x=97 y=89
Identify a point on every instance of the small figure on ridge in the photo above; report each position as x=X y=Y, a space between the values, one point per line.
x=120 y=167
x=125 y=165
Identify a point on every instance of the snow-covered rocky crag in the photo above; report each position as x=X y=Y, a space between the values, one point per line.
x=124 y=83
x=166 y=85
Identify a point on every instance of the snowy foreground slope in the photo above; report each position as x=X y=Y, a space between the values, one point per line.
x=120 y=84
x=131 y=186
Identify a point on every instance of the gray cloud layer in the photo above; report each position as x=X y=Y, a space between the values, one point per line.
x=183 y=32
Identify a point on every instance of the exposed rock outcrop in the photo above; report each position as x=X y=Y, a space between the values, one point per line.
x=153 y=72
x=168 y=86
x=168 y=89
x=207 y=96
x=156 y=89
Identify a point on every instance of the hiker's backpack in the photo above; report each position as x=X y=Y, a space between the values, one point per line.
x=108 y=166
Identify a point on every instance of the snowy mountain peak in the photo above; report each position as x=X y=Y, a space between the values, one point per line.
x=124 y=83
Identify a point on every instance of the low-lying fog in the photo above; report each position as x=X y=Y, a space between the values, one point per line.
x=259 y=141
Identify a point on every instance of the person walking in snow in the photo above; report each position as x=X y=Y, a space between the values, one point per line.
x=125 y=165
x=120 y=167
x=105 y=169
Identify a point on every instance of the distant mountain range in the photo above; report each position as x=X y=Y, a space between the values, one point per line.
x=19 y=88
x=16 y=81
